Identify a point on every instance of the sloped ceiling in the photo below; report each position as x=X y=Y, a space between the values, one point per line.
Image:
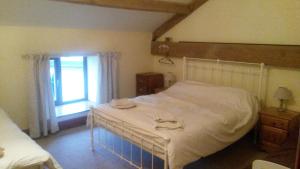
x=57 y=14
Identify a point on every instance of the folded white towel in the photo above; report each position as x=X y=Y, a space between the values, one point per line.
x=122 y=103
x=162 y=117
x=169 y=125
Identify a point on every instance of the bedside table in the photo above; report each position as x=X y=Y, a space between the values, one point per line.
x=146 y=83
x=276 y=127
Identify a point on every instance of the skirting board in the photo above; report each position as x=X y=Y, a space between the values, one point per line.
x=273 y=55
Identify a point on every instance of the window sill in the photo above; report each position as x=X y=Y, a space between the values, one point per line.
x=73 y=110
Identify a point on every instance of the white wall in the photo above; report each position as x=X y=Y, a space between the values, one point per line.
x=242 y=21
x=245 y=21
x=17 y=41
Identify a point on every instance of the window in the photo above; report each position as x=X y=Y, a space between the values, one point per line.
x=74 y=84
x=69 y=79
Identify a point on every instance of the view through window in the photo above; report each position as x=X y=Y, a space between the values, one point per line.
x=69 y=80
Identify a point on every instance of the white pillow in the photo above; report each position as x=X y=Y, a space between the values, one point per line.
x=200 y=93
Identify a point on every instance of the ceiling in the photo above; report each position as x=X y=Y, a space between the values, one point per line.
x=47 y=13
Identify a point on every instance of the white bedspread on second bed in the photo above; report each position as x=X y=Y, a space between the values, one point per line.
x=20 y=151
x=213 y=116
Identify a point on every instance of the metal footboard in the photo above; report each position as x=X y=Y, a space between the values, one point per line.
x=156 y=146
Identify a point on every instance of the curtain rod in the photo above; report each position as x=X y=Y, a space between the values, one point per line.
x=67 y=54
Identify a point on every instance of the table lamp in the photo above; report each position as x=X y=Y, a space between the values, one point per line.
x=170 y=79
x=283 y=95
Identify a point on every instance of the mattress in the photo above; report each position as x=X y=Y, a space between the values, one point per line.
x=213 y=117
x=20 y=150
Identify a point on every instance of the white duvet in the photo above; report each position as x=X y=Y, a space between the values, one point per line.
x=213 y=116
x=20 y=150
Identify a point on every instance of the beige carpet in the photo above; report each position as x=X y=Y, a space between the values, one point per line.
x=71 y=148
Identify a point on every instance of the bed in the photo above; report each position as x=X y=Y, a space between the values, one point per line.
x=217 y=102
x=20 y=151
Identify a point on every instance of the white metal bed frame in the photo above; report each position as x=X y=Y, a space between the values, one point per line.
x=42 y=165
x=227 y=73
x=220 y=72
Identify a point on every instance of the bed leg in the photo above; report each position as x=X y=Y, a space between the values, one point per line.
x=49 y=164
x=166 y=160
x=255 y=137
x=92 y=129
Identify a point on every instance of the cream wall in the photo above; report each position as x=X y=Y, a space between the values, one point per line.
x=17 y=41
x=247 y=21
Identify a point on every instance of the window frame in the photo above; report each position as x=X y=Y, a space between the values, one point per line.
x=58 y=81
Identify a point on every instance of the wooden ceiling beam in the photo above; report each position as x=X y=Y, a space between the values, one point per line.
x=145 y=5
x=162 y=29
x=273 y=55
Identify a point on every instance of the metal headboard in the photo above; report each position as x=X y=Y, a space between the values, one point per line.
x=248 y=76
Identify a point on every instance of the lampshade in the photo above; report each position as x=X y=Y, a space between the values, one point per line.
x=283 y=93
x=170 y=79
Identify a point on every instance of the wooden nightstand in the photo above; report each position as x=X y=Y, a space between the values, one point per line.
x=276 y=127
x=146 y=83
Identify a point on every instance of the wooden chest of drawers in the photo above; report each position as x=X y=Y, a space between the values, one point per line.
x=146 y=83
x=276 y=127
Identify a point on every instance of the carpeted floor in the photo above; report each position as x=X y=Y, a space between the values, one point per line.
x=72 y=150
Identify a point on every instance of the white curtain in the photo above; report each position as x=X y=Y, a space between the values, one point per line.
x=108 y=76
x=42 y=117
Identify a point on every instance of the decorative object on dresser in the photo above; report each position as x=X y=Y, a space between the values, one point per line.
x=146 y=83
x=276 y=127
x=283 y=95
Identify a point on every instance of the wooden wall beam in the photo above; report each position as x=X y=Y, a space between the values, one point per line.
x=273 y=55
x=169 y=24
x=146 y=5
